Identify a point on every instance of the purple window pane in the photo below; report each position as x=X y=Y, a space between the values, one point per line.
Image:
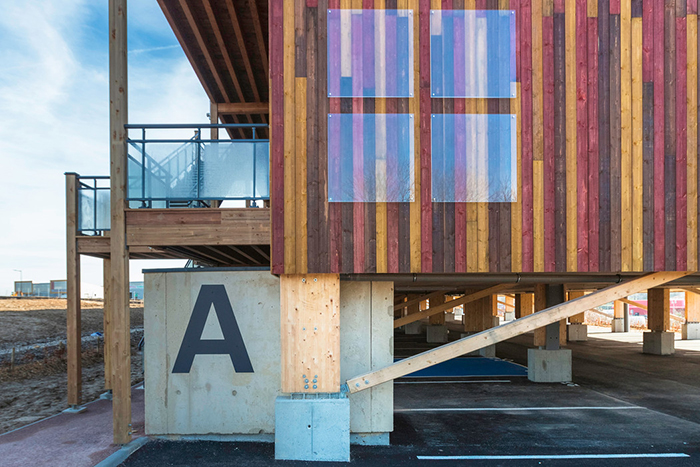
x=472 y=53
x=370 y=53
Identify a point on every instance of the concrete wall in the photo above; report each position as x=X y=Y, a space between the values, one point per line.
x=213 y=399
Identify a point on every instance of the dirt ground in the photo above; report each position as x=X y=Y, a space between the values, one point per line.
x=37 y=390
x=27 y=321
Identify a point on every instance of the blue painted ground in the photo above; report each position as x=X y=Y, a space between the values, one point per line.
x=470 y=367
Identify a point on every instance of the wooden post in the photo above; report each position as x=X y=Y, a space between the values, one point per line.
x=659 y=312
x=413 y=307
x=438 y=318
x=107 y=321
x=618 y=309
x=692 y=308
x=581 y=317
x=524 y=304
x=310 y=341
x=214 y=119
x=540 y=339
x=73 y=330
x=119 y=255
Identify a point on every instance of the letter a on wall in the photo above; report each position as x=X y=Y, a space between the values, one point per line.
x=232 y=344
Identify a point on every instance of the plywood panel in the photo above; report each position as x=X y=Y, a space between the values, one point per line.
x=310 y=331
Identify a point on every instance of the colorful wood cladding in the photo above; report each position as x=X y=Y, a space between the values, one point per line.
x=607 y=115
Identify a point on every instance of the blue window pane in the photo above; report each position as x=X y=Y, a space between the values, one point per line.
x=371 y=158
x=474 y=158
x=472 y=53
x=370 y=53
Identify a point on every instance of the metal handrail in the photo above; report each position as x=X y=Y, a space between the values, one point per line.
x=162 y=172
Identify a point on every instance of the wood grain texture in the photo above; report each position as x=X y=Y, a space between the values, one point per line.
x=692 y=137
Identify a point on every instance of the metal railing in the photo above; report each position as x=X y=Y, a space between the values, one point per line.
x=93 y=204
x=191 y=172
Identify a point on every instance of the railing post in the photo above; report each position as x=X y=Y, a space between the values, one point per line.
x=143 y=168
x=199 y=161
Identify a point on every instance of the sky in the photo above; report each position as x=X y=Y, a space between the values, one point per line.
x=54 y=118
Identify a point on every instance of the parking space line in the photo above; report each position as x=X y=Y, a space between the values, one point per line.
x=514 y=409
x=569 y=456
x=455 y=382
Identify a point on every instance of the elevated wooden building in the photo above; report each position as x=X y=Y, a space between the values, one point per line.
x=458 y=149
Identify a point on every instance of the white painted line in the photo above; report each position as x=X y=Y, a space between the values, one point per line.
x=515 y=409
x=569 y=456
x=455 y=382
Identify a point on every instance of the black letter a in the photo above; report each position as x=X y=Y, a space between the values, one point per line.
x=232 y=343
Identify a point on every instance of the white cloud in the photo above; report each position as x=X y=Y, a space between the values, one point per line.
x=54 y=110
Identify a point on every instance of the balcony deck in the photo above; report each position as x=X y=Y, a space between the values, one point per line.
x=213 y=236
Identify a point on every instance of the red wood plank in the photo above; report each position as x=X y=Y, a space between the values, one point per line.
x=582 y=133
x=548 y=157
x=670 y=135
x=426 y=195
x=615 y=7
x=593 y=219
x=692 y=7
x=559 y=6
x=681 y=145
x=335 y=214
x=659 y=185
x=277 y=140
x=526 y=131
x=324 y=260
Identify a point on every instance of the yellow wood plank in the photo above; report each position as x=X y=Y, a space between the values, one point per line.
x=381 y=208
x=516 y=213
x=571 y=181
x=290 y=200
x=414 y=108
x=310 y=332
x=482 y=217
x=538 y=138
x=637 y=154
x=626 y=134
x=301 y=245
x=692 y=135
x=692 y=307
x=592 y=8
x=547 y=7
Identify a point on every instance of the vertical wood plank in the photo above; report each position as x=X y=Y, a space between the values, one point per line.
x=615 y=104
x=593 y=147
x=425 y=154
x=300 y=179
x=659 y=312
x=290 y=169
x=637 y=150
x=549 y=145
x=582 y=134
x=670 y=135
x=107 y=320
x=659 y=239
x=560 y=143
x=692 y=137
x=538 y=122
x=604 y=134
x=277 y=132
x=681 y=239
x=571 y=145
x=313 y=167
x=648 y=175
x=526 y=83
x=415 y=109
x=626 y=178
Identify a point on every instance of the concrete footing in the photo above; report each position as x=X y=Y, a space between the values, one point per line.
x=415 y=327
x=659 y=343
x=618 y=325
x=549 y=366
x=311 y=427
x=75 y=409
x=690 y=331
x=577 y=332
x=437 y=334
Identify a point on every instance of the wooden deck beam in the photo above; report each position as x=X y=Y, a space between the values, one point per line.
x=508 y=330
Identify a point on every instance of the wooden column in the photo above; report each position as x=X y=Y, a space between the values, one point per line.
x=73 y=329
x=618 y=309
x=119 y=255
x=524 y=304
x=692 y=308
x=107 y=321
x=440 y=317
x=310 y=329
x=659 y=312
x=581 y=317
x=214 y=119
x=414 y=308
